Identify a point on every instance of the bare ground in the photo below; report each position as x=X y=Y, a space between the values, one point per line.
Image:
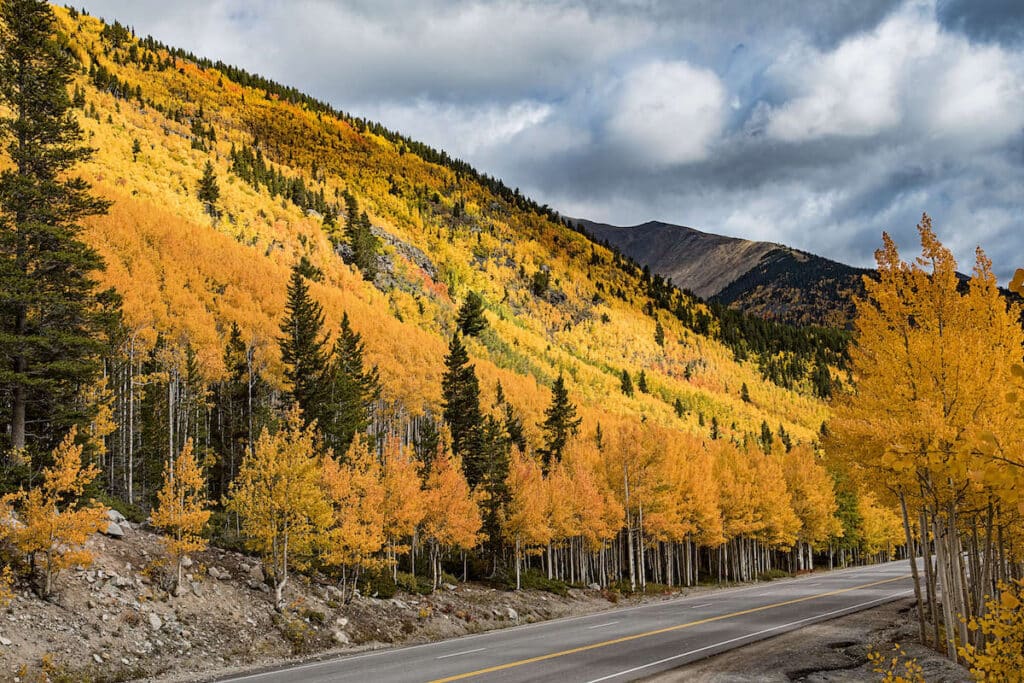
x=835 y=651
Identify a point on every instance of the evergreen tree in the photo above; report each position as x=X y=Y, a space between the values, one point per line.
x=51 y=315
x=641 y=382
x=560 y=423
x=303 y=350
x=460 y=390
x=766 y=436
x=678 y=406
x=136 y=149
x=364 y=244
x=659 y=334
x=426 y=442
x=209 y=190
x=745 y=393
x=353 y=389
x=715 y=433
x=627 y=383
x=471 y=315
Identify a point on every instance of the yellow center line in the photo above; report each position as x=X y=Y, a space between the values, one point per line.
x=668 y=629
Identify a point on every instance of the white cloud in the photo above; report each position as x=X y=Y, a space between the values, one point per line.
x=906 y=75
x=667 y=113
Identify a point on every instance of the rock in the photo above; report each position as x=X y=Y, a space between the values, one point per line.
x=511 y=613
x=594 y=587
x=5 y=641
x=114 y=530
x=342 y=621
x=399 y=604
x=180 y=590
x=122 y=581
x=256 y=574
x=154 y=622
x=341 y=638
x=116 y=517
x=186 y=562
x=213 y=572
x=448 y=586
x=97 y=658
x=196 y=590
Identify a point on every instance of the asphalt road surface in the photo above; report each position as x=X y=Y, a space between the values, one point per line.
x=622 y=644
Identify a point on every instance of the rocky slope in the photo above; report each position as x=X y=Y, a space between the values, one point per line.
x=763 y=278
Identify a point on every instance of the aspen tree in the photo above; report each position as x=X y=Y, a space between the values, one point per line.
x=182 y=509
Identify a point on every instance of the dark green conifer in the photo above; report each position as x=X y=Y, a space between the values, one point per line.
x=353 y=389
x=471 y=319
x=460 y=391
x=52 y=318
x=303 y=350
x=627 y=383
x=209 y=190
x=560 y=423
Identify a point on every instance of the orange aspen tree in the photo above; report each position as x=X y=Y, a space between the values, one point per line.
x=404 y=499
x=931 y=364
x=181 y=510
x=278 y=496
x=813 y=499
x=524 y=523
x=356 y=496
x=53 y=528
x=452 y=517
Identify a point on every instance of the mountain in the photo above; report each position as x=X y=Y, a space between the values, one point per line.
x=762 y=278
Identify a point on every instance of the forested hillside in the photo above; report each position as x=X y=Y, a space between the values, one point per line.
x=315 y=319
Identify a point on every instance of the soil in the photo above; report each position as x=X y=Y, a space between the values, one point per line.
x=835 y=651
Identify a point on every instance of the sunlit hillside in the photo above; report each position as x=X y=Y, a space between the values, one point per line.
x=556 y=303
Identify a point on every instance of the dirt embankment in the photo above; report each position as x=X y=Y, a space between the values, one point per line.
x=116 y=620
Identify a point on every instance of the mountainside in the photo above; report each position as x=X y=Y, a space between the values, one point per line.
x=555 y=302
x=762 y=278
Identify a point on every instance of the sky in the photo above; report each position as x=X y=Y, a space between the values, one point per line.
x=816 y=125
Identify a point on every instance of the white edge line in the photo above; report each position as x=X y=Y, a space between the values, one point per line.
x=703 y=604
x=610 y=623
x=888 y=598
x=459 y=654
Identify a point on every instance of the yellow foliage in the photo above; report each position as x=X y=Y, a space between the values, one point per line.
x=181 y=509
x=353 y=488
x=897 y=669
x=1002 y=626
x=453 y=513
x=278 y=496
x=53 y=529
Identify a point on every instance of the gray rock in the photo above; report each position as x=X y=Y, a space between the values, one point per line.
x=594 y=587
x=341 y=638
x=196 y=590
x=180 y=590
x=154 y=622
x=399 y=604
x=115 y=516
x=256 y=574
x=114 y=530
x=448 y=586
x=213 y=572
x=97 y=658
x=5 y=641
x=511 y=613
x=186 y=562
x=122 y=581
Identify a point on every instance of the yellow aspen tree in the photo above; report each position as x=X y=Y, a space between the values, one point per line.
x=182 y=509
x=54 y=529
x=403 y=498
x=356 y=496
x=524 y=523
x=277 y=495
x=452 y=517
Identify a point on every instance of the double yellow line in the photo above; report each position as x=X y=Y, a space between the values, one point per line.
x=668 y=629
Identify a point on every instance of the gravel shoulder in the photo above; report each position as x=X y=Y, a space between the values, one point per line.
x=835 y=651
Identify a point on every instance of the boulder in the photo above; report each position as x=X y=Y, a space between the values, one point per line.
x=256 y=574
x=115 y=516
x=341 y=638
x=511 y=613
x=154 y=622
x=594 y=587
x=448 y=586
x=213 y=572
x=114 y=530
x=196 y=590
x=5 y=641
x=186 y=562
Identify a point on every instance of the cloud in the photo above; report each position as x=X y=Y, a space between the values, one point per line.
x=667 y=113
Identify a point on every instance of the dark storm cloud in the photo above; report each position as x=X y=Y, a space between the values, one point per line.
x=812 y=124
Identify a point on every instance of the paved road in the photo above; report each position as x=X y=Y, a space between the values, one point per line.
x=622 y=644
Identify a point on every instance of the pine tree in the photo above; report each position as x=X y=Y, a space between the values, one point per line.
x=744 y=393
x=364 y=244
x=303 y=350
x=627 y=383
x=641 y=382
x=715 y=433
x=353 y=389
x=679 y=408
x=136 y=149
x=51 y=316
x=560 y=423
x=460 y=390
x=471 y=319
x=659 y=334
x=209 y=190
